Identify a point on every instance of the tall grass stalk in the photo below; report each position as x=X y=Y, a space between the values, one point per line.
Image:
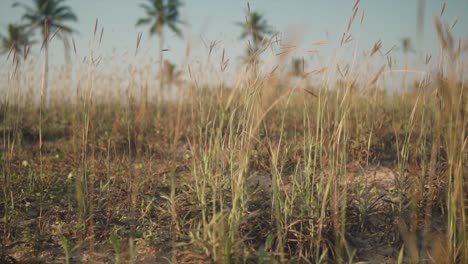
x=453 y=108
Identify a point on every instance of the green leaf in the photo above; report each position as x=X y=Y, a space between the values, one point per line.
x=143 y=21
x=175 y=29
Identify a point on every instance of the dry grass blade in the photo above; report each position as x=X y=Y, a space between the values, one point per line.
x=346 y=69
x=95 y=27
x=345 y=38
x=224 y=62
x=320 y=70
x=190 y=71
x=450 y=40
x=271 y=107
x=277 y=40
x=356 y=3
x=455 y=21
x=14 y=56
x=286 y=47
x=96 y=61
x=44 y=41
x=428 y=58
x=250 y=47
x=350 y=22
x=140 y=34
x=443 y=9
x=55 y=34
x=440 y=32
x=74 y=45
x=319 y=43
x=10 y=51
x=310 y=92
x=212 y=45
x=26 y=52
x=348 y=39
x=100 y=37
x=390 y=50
x=224 y=65
x=342 y=73
x=377 y=76
x=15 y=71
x=286 y=51
x=376 y=47
x=274 y=69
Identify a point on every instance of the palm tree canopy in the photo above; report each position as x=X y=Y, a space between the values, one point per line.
x=50 y=13
x=170 y=72
x=297 y=67
x=256 y=26
x=15 y=40
x=160 y=13
x=406 y=45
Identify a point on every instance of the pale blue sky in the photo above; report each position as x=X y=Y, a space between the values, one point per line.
x=302 y=21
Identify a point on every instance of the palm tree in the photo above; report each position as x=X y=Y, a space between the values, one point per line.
x=406 y=47
x=159 y=14
x=297 y=67
x=49 y=16
x=256 y=27
x=171 y=74
x=14 y=42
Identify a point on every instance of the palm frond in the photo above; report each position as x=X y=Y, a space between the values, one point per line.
x=175 y=29
x=147 y=8
x=65 y=13
x=143 y=21
x=67 y=17
x=62 y=27
x=161 y=13
x=15 y=41
x=256 y=27
x=52 y=11
x=158 y=5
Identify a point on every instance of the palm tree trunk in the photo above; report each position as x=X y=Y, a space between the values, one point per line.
x=405 y=73
x=161 y=64
x=45 y=75
x=255 y=54
x=44 y=99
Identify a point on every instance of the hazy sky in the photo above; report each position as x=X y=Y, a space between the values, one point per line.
x=301 y=22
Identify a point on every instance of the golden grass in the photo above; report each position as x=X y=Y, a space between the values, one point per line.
x=269 y=169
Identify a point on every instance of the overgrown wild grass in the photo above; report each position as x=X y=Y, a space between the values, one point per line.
x=272 y=169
